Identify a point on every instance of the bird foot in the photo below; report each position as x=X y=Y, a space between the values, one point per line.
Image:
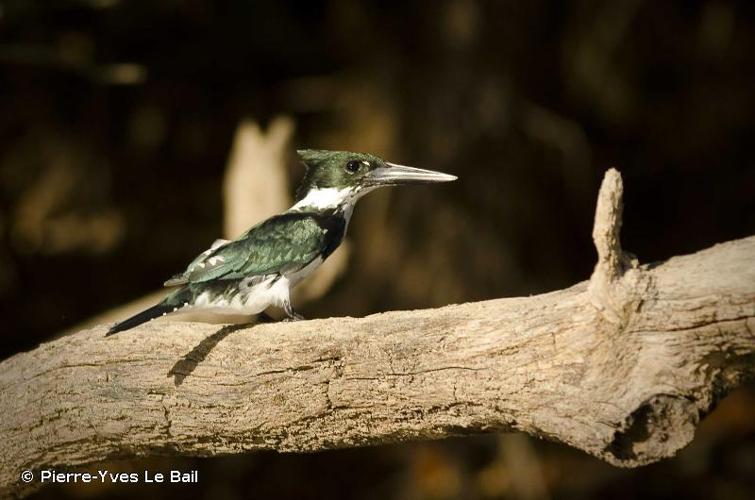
x=294 y=317
x=266 y=318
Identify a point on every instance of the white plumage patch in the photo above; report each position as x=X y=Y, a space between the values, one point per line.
x=323 y=198
x=214 y=260
x=254 y=294
x=248 y=299
x=327 y=198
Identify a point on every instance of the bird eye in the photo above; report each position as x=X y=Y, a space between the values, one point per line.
x=353 y=166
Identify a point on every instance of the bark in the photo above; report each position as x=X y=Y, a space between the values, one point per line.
x=623 y=367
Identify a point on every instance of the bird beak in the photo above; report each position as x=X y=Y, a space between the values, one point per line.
x=392 y=175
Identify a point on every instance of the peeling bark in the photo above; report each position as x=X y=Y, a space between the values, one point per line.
x=623 y=367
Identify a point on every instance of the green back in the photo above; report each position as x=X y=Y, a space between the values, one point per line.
x=280 y=244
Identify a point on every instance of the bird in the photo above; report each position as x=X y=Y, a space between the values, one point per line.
x=260 y=268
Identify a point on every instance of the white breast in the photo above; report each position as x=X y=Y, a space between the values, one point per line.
x=249 y=299
x=254 y=295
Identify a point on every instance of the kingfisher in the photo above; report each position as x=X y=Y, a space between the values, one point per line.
x=260 y=268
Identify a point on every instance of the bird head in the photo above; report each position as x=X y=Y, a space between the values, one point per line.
x=337 y=177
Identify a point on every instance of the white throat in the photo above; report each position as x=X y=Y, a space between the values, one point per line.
x=331 y=198
x=324 y=198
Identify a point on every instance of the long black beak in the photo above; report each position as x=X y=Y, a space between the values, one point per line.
x=393 y=175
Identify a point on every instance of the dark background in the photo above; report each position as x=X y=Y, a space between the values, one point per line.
x=116 y=121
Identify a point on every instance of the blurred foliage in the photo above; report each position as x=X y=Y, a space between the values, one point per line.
x=116 y=120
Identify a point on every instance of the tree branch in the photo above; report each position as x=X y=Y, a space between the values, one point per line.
x=622 y=367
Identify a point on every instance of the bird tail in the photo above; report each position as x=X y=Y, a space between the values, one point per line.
x=148 y=314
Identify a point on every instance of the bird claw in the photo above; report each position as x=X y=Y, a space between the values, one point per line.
x=294 y=317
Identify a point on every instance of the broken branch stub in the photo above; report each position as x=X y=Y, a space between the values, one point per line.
x=617 y=275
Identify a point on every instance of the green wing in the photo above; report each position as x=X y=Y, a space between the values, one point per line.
x=281 y=243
